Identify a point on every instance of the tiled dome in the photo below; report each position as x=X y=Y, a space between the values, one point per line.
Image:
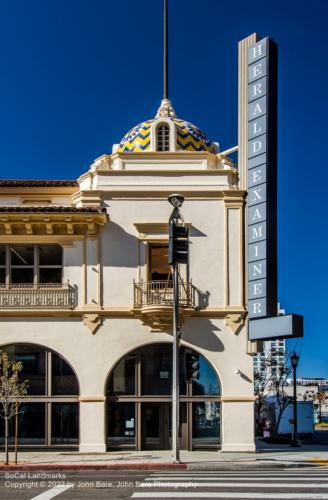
x=189 y=138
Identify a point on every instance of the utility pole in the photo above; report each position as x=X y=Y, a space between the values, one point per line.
x=178 y=253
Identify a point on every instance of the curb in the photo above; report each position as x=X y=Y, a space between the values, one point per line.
x=191 y=466
x=135 y=466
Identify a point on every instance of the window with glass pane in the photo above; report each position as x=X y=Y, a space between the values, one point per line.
x=50 y=263
x=206 y=423
x=122 y=380
x=156 y=370
x=208 y=383
x=2 y=264
x=21 y=264
x=31 y=423
x=121 y=424
x=34 y=366
x=63 y=380
x=64 y=423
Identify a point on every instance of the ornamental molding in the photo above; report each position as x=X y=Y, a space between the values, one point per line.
x=153 y=230
x=160 y=318
x=39 y=224
x=92 y=322
x=235 y=322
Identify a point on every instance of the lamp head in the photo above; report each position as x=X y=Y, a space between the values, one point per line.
x=294 y=359
x=176 y=200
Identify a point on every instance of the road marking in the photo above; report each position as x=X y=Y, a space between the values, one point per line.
x=250 y=473
x=243 y=478
x=57 y=490
x=179 y=494
x=206 y=478
x=194 y=484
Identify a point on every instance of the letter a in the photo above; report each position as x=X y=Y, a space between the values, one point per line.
x=257 y=109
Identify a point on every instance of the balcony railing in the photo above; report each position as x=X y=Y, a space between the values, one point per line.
x=37 y=296
x=160 y=293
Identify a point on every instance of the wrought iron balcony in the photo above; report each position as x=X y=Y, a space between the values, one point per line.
x=160 y=293
x=37 y=296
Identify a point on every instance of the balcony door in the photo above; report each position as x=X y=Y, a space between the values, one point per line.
x=159 y=268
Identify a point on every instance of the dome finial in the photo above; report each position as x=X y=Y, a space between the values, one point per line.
x=165 y=110
x=166 y=54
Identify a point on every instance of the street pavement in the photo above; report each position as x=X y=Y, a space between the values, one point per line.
x=309 y=483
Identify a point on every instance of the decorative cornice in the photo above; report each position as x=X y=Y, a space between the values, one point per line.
x=116 y=312
x=49 y=221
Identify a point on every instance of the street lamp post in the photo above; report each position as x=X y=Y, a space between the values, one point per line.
x=178 y=253
x=294 y=359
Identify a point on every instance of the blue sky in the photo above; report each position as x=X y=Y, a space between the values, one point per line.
x=77 y=74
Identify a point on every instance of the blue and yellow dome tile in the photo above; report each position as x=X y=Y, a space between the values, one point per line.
x=189 y=137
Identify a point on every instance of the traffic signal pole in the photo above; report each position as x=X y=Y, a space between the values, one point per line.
x=178 y=253
x=175 y=368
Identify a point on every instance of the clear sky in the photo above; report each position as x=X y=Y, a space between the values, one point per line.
x=77 y=74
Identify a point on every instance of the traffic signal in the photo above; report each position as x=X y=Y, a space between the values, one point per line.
x=192 y=366
x=178 y=244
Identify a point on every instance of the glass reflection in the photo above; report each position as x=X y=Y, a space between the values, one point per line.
x=208 y=383
x=121 y=424
x=206 y=423
x=63 y=379
x=34 y=366
x=64 y=423
x=122 y=380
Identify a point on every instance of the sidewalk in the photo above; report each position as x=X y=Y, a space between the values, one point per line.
x=267 y=456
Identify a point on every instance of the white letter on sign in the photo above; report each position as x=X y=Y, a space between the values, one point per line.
x=257 y=195
x=257 y=288
x=257 y=109
x=257 y=215
x=257 y=51
x=257 y=69
x=257 y=175
x=257 y=146
x=257 y=89
x=257 y=307
x=256 y=232
x=256 y=129
x=257 y=269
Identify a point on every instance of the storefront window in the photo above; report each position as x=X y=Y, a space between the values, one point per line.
x=32 y=424
x=42 y=420
x=205 y=423
x=208 y=383
x=65 y=423
x=34 y=366
x=63 y=378
x=122 y=380
x=121 y=424
x=156 y=370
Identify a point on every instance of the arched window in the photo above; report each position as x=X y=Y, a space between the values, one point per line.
x=139 y=401
x=49 y=414
x=163 y=137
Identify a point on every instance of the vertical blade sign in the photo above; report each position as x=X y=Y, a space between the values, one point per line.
x=262 y=179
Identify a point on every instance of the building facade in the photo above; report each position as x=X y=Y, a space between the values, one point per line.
x=275 y=350
x=86 y=297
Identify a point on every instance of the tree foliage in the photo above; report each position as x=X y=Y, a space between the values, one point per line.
x=11 y=392
x=319 y=398
x=271 y=382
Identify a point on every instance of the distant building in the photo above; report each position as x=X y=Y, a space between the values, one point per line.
x=307 y=388
x=276 y=350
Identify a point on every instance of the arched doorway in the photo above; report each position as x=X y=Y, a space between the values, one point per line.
x=49 y=414
x=139 y=401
